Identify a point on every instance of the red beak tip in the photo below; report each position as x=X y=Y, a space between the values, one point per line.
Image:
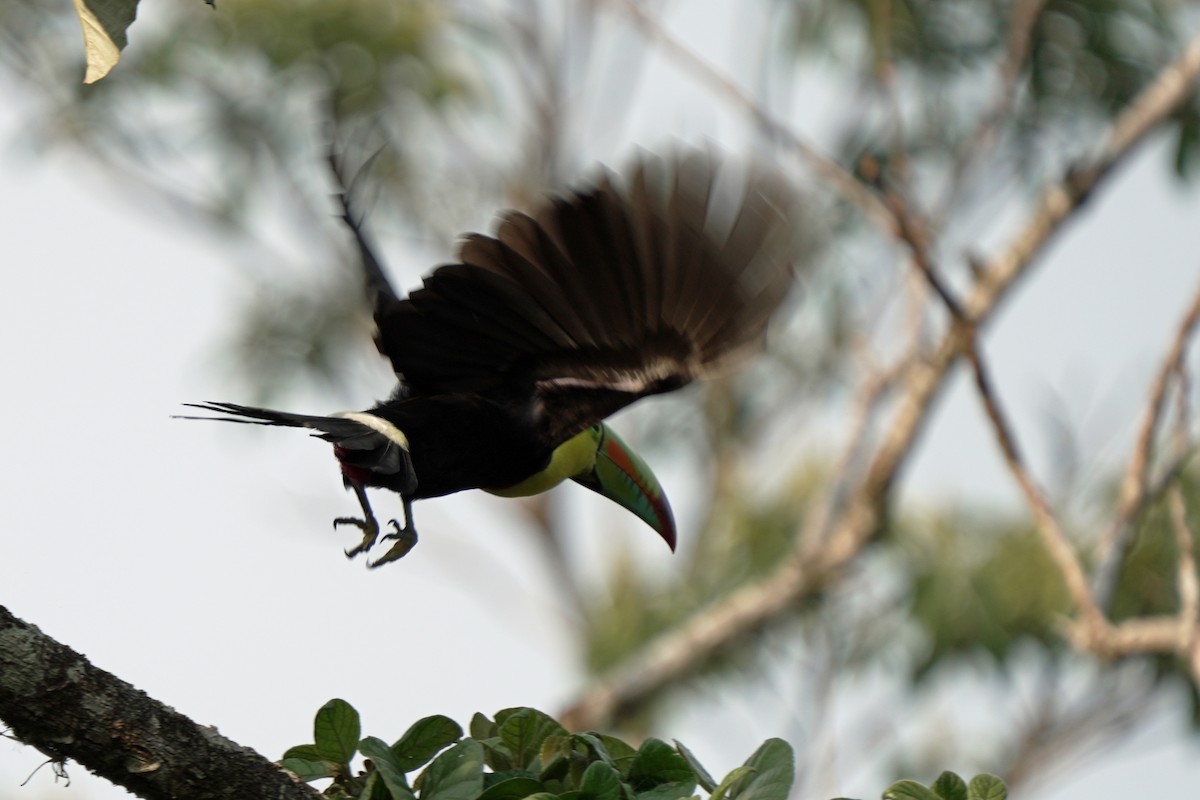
x=669 y=538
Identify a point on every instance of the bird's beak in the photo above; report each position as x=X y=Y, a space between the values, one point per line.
x=623 y=477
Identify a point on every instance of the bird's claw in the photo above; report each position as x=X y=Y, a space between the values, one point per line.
x=370 y=529
x=405 y=538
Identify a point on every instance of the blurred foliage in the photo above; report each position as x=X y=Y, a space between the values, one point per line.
x=967 y=583
x=430 y=84
x=208 y=73
x=368 y=52
x=282 y=333
x=978 y=584
x=1148 y=583
x=741 y=542
x=225 y=116
x=1087 y=60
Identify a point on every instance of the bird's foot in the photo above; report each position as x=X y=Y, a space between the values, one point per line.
x=370 y=528
x=405 y=538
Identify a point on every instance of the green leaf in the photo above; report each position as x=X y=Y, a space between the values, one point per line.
x=104 y=25
x=987 y=787
x=388 y=765
x=336 y=731
x=373 y=788
x=514 y=788
x=600 y=781
x=305 y=751
x=496 y=755
x=620 y=754
x=482 y=728
x=456 y=774
x=657 y=763
x=735 y=776
x=558 y=752
x=673 y=790
x=707 y=781
x=309 y=770
x=949 y=786
x=908 y=790
x=424 y=739
x=523 y=731
x=774 y=766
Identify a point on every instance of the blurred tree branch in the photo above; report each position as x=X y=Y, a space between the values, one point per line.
x=813 y=564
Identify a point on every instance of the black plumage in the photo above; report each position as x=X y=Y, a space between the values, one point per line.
x=605 y=294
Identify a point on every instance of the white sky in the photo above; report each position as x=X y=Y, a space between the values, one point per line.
x=197 y=561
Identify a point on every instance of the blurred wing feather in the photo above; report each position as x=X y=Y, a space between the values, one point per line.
x=602 y=296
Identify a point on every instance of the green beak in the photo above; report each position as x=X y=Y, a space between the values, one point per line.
x=623 y=477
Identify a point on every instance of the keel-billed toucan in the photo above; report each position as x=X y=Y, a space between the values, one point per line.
x=509 y=361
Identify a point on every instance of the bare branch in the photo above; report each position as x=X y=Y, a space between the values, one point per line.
x=1144 y=635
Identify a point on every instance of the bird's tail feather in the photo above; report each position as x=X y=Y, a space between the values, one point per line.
x=358 y=444
x=340 y=430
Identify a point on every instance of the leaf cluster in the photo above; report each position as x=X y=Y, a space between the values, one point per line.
x=524 y=754
x=949 y=786
x=521 y=753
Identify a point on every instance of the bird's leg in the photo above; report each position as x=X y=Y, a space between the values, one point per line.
x=368 y=524
x=405 y=538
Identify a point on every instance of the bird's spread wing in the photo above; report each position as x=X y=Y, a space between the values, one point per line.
x=381 y=296
x=604 y=295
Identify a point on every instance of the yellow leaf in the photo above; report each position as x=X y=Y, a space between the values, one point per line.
x=104 y=23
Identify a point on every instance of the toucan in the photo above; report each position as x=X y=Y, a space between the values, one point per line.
x=509 y=361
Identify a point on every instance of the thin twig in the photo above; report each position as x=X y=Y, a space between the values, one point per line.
x=1056 y=541
x=1188 y=586
x=1024 y=16
x=866 y=405
x=1110 y=550
x=915 y=233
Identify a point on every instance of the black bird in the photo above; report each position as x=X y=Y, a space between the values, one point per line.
x=509 y=361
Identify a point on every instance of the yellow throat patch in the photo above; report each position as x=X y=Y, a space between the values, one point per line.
x=574 y=456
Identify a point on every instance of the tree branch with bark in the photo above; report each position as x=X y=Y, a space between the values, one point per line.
x=54 y=699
